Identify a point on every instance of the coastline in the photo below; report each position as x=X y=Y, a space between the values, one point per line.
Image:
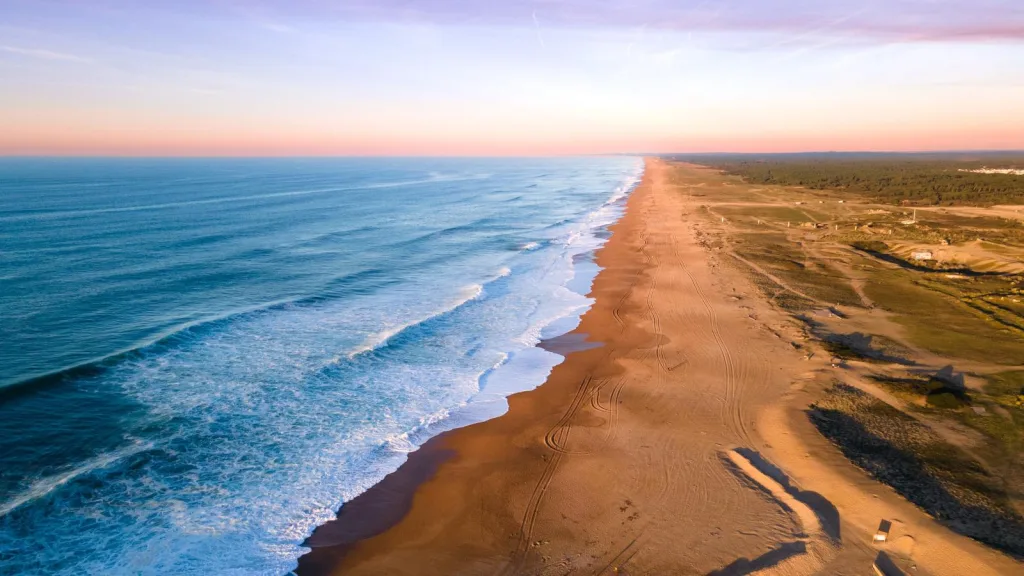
x=403 y=314
x=672 y=439
x=533 y=487
x=386 y=503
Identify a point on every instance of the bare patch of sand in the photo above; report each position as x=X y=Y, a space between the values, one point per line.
x=977 y=255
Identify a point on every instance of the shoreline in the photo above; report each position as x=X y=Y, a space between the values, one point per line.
x=673 y=439
x=386 y=502
x=494 y=496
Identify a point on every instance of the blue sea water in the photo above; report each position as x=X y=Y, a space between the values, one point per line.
x=202 y=359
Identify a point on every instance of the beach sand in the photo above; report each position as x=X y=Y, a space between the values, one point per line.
x=678 y=446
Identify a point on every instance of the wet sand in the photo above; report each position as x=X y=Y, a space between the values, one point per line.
x=645 y=454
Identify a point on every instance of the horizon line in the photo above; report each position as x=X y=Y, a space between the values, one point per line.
x=459 y=156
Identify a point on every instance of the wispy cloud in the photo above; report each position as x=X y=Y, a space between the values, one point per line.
x=886 y=20
x=536 y=26
x=870 y=20
x=45 y=54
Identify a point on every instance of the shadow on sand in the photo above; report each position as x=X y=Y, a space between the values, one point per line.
x=827 y=515
x=771 y=558
x=926 y=479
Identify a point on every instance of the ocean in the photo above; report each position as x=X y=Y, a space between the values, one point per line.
x=201 y=360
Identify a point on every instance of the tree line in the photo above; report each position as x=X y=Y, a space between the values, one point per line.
x=926 y=179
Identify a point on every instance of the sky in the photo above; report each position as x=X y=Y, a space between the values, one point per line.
x=511 y=77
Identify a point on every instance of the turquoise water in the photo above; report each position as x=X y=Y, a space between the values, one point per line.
x=202 y=360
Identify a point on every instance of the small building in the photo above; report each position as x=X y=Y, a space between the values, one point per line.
x=883 y=531
x=922 y=255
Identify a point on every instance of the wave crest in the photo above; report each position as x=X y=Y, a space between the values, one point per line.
x=44 y=486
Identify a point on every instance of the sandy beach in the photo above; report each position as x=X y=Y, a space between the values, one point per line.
x=679 y=445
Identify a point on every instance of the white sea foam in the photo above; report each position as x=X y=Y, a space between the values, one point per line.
x=527 y=366
x=380 y=339
x=274 y=429
x=466 y=295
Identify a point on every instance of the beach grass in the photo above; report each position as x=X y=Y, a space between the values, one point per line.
x=942 y=323
x=941 y=478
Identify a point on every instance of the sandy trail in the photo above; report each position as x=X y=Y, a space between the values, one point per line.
x=625 y=461
x=820 y=522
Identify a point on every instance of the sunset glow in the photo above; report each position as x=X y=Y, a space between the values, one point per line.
x=468 y=78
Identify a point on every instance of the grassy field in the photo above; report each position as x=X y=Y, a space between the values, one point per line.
x=786 y=261
x=841 y=264
x=942 y=322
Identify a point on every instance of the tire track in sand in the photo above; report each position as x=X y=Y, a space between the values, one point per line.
x=615 y=312
x=555 y=440
x=731 y=407
x=557 y=436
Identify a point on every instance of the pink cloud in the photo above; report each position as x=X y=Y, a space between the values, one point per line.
x=953 y=20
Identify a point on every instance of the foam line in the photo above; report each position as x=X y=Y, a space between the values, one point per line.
x=44 y=486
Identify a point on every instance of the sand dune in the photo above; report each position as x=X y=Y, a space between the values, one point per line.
x=819 y=519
